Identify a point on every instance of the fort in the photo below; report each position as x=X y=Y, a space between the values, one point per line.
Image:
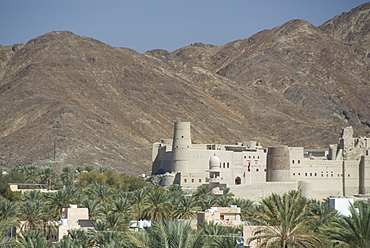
x=252 y=171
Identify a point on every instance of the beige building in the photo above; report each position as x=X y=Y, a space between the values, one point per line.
x=224 y=216
x=253 y=172
x=72 y=218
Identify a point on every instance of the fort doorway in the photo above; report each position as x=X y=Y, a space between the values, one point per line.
x=238 y=181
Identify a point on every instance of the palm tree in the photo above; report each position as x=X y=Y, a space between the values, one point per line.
x=33 y=239
x=122 y=205
x=80 y=238
x=32 y=213
x=220 y=236
x=247 y=208
x=48 y=177
x=59 y=200
x=207 y=202
x=284 y=221
x=117 y=222
x=68 y=176
x=158 y=205
x=201 y=192
x=109 y=239
x=139 y=202
x=352 y=230
x=33 y=195
x=94 y=207
x=175 y=193
x=186 y=208
x=167 y=233
x=31 y=173
x=8 y=209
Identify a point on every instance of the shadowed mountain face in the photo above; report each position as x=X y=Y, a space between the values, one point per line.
x=71 y=100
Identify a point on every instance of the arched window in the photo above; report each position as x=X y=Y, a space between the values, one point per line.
x=238 y=181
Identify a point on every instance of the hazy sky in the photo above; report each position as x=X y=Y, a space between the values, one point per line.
x=166 y=24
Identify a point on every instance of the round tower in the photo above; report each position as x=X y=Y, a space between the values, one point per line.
x=278 y=166
x=180 y=147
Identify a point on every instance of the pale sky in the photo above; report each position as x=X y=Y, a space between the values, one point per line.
x=144 y=25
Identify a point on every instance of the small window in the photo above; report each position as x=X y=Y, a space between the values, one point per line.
x=192 y=180
x=185 y=180
x=299 y=161
x=305 y=174
x=227 y=164
x=200 y=180
x=293 y=174
x=257 y=169
x=293 y=161
x=310 y=174
x=349 y=175
x=315 y=174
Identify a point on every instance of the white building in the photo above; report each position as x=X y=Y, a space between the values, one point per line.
x=252 y=171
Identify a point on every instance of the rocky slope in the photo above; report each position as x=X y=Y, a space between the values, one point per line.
x=71 y=100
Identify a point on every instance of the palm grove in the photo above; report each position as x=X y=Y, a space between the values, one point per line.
x=288 y=220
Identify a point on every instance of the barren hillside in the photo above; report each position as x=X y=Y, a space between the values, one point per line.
x=98 y=105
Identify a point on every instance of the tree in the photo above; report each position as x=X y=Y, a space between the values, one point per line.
x=59 y=200
x=352 y=230
x=94 y=207
x=68 y=176
x=220 y=236
x=201 y=192
x=32 y=213
x=207 y=202
x=8 y=209
x=139 y=201
x=247 y=208
x=167 y=233
x=284 y=221
x=158 y=205
x=122 y=205
x=48 y=177
x=33 y=239
x=186 y=208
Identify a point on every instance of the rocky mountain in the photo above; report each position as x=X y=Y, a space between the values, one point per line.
x=71 y=100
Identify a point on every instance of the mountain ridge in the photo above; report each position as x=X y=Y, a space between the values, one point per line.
x=68 y=100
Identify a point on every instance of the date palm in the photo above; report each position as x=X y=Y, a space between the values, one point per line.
x=247 y=208
x=59 y=200
x=207 y=202
x=33 y=239
x=8 y=209
x=94 y=207
x=352 y=230
x=169 y=234
x=158 y=207
x=122 y=205
x=284 y=221
x=139 y=202
x=32 y=213
x=186 y=208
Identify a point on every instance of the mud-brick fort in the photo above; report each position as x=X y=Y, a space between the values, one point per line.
x=253 y=172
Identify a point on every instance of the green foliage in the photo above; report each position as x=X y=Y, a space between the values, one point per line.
x=170 y=234
x=351 y=230
x=284 y=222
x=33 y=239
